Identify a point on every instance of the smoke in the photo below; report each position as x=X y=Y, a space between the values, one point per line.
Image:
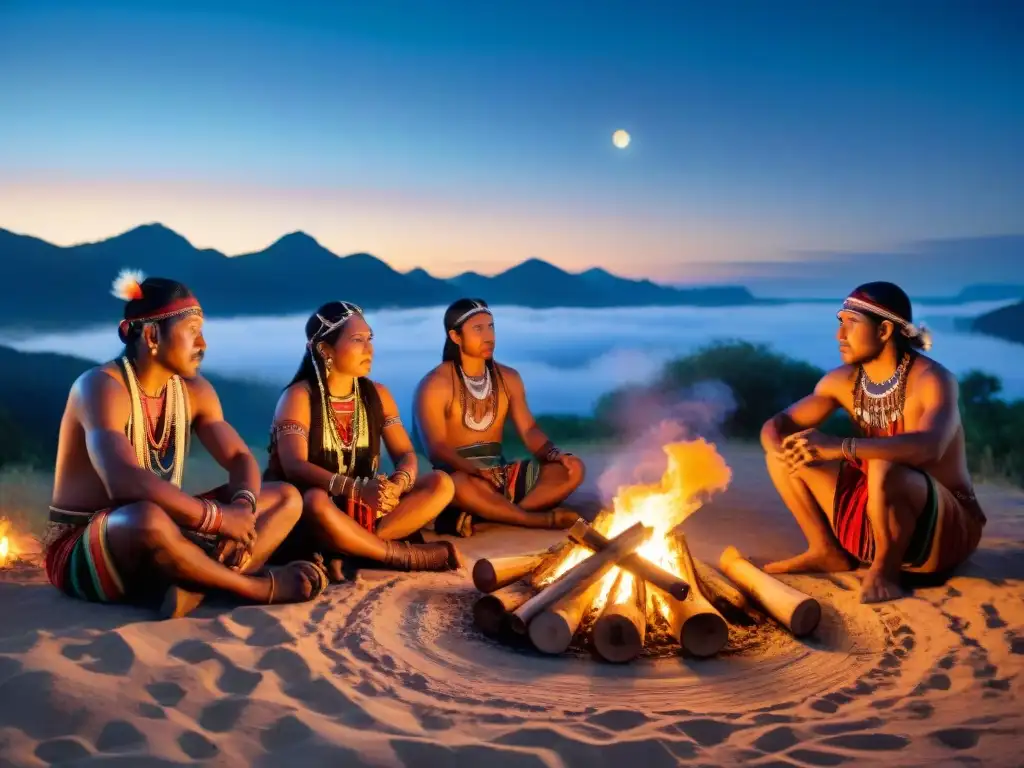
x=652 y=419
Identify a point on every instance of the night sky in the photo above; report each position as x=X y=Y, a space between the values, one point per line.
x=473 y=135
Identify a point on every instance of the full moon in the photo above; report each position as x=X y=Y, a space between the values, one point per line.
x=620 y=139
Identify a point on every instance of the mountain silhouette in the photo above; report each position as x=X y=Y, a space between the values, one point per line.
x=1004 y=323
x=49 y=286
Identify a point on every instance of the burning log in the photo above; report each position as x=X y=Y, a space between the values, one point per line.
x=491 y=612
x=490 y=574
x=586 y=535
x=619 y=632
x=551 y=630
x=727 y=599
x=547 y=567
x=793 y=609
x=700 y=629
x=577 y=580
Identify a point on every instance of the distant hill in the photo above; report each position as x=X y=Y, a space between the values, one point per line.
x=1005 y=323
x=34 y=388
x=48 y=285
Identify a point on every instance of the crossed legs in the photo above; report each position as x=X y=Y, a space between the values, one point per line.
x=537 y=509
x=337 y=532
x=150 y=550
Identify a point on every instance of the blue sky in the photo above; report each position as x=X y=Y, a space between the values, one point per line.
x=458 y=135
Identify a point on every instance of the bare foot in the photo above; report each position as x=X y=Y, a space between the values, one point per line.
x=179 y=602
x=296 y=583
x=876 y=587
x=335 y=570
x=812 y=561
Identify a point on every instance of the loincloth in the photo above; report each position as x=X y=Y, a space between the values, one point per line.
x=515 y=479
x=78 y=560
x=946 y=532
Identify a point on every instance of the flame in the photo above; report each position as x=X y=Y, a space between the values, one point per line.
x=5 y=548
x=695 y=471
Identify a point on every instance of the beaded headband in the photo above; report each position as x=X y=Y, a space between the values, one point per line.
x=917 y=333
x=326 y=326
x=478 y=307
x=127 y=286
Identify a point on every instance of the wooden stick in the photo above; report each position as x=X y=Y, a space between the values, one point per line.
x=699 y=628
x=790 y=607
x=491 y=612
x=493 y=573
x=555 y=556
x=619 y=632
x=551 y=630
x=581 y=575
x=586 y=535
x=727 y=599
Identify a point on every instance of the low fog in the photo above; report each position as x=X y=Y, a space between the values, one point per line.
x=568 y=357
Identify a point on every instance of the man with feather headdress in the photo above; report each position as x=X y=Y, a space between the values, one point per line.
x=121 y=528
x=899 y=497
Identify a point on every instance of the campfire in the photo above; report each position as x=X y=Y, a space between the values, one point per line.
x=15 y=549
x=634 y=570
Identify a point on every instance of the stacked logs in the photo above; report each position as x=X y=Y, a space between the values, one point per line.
x=520 y=600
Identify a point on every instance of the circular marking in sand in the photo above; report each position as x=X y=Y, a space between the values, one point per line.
x=411 y=632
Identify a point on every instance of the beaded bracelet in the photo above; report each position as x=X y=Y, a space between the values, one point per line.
x=408 y=479
x=247 y=496
x=212 y=518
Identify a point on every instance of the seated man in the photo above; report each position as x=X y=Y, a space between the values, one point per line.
x=121 y=528
x=461 y=407
x=900 y=496
x=326 y=440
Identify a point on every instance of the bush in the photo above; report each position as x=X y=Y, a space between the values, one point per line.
x=18 y=445
x=764 y=382
x=993 y=428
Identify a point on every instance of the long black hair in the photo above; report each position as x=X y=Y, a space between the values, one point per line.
x=455 y=317
x=326 y=325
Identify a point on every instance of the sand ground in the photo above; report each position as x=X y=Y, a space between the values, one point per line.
x=387 y=670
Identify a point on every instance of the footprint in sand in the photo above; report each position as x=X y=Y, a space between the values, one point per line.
x=120 y=736
x=267 y=629
x=285 y=733
x=61 y=751
x=28 y=701
x=221 y=716
x=957 y=738
x=992 y=618
x=166 y=694
x=232 y=680
x=868 y=742
x=618 y=720
x=647 y=752
x=108 y=654
x=776 y=740
x=318 y=694
x=815 y=757
x=197 y=746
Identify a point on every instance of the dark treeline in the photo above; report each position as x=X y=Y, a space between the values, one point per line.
x=732 y=387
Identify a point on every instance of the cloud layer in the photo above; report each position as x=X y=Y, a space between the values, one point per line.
x=568 y=357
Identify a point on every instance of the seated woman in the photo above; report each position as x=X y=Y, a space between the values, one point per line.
x=326 y=441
